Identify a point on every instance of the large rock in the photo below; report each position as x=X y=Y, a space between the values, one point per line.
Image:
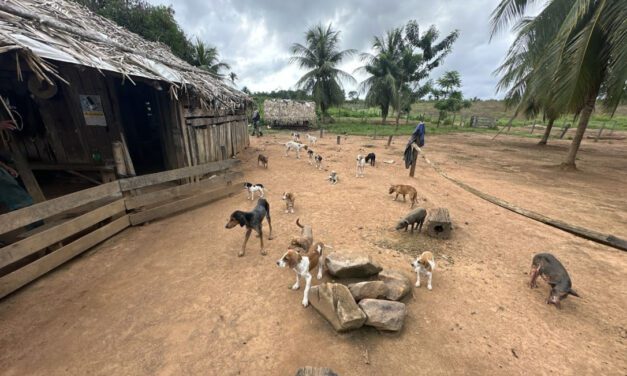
x=397 y=283
x=351 y=265
x=368 y=290
x=336 y=304
x=384 y=314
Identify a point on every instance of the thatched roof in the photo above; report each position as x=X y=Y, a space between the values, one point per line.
x=289 y=112
x=42 y=32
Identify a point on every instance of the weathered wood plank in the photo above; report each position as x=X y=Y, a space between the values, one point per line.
x=184 y=204
x=16 y=251
x=165 y=176
x=180 y=190
x=439 y=223
x=43 y=210
x=37 y=268
x=209 y=121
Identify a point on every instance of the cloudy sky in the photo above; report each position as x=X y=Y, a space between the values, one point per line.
x=254 y=36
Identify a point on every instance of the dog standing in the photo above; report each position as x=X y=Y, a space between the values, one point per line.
x=295 y=136
x=293 y=145
x=402 y=189
x=253 y=220
x=553 y=272
x=371 y=158
x=289 y=198
x=318 y=160
x=424 y=264
x=310 y=154
x=302 y=264
x=415 y=217
x=361 y=163
x=251 y=189
x=333 y=178
x=311 y=140
x=263 y=160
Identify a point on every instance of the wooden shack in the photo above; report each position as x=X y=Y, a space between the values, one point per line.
x=76 y=83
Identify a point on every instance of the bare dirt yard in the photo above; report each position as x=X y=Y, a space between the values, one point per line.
x=173 y=298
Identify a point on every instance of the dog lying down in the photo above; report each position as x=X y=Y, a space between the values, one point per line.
x=253 y=221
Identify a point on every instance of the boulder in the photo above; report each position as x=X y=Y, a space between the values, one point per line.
x=336 y=304
x=315 y=371
x=384 y=314
x=397 y=283
x=351 y=265
x=368 y=290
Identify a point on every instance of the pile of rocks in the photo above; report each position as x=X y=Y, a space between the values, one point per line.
x=372 y=302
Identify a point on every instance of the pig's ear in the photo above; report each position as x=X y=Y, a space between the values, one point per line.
x=573 y=293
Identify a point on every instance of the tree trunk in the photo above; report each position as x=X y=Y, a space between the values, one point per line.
x=398 y=105
x=547 y=132
x=586 y=112
x=454 y=116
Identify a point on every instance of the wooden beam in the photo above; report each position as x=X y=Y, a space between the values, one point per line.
x=184 y=204
x=17 y=251
x=68 y=166
x=27 y=175
x=37 y=268
x=165 y=176
x=210 y=121
x=180 y=191
x=25 y=216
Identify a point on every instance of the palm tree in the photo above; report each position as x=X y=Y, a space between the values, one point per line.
x=321 y=56
x=576 y=51
x=450 y=80
x=208 y=58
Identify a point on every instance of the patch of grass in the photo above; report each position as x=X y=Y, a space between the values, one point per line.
x=368 y=129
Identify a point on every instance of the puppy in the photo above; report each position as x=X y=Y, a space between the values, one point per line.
x=553 y=272
x=371 y=158
x=263 y=160
x=310 y=154
x=253 y=220
x=293 y=145
x=302 y=263
x=251 y=189
x=289 y=198
x=306 y=237
x=333 y=178
x=401 y=189
x=295 y=136
x=318 y=159
x=425 y=264
x=361 y=163
x=311 y=140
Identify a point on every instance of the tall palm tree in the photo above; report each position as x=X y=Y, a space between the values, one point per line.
x=450 y=80
x=320 y=56
x=576 y=51
x=207 y=57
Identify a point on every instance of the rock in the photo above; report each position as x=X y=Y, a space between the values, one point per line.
x=397 y=283
x=336 y=304
x=315 y=371
x=351 y=265
x=368 y=290
x=384 y=314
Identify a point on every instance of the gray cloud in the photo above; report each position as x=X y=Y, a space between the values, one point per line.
x=255 y=36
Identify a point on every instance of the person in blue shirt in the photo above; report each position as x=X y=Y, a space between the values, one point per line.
x=417 y=137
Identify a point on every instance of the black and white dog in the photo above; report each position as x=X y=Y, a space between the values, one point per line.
x=251 y=189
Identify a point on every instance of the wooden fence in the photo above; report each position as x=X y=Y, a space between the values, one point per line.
x=215 y=138
x=79 y=221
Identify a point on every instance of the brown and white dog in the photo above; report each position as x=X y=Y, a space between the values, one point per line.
x=424 y=264
x=289 y=198
x=302 y=263
x=293 y=145
x=263 y=160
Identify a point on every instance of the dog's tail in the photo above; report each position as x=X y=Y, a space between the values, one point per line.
x=298 y=223
x=573 y=293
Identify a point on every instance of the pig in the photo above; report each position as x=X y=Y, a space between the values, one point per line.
x=553 y=272
x=415 y=217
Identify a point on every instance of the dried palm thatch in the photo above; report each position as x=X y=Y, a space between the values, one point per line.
x=286 y=112
x=42 y=31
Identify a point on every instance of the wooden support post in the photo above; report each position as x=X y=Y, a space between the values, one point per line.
x=223 y=151
x=27 y=175
x=414 y=158
x=320 y=132
x=390 y=140
x=338 y=139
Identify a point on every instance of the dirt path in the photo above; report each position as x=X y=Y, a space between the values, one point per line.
x=172 y=298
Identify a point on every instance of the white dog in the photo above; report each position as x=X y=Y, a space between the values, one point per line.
x=293 y=145
x=361 y=163
x=425 y=264
x=311 y=139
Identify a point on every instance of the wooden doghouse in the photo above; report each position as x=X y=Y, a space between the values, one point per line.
x=439 y=223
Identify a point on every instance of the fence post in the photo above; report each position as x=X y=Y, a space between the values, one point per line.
x=599 y=134
x=390 y=140
x=338 y=140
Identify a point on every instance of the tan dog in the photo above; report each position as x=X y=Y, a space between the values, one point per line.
x=425 y=264
x=302 y=263
x=306 y=237
x=402 y=189
x=289 y=198
x=263 y=160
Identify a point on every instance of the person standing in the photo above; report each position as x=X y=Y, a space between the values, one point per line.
x=256 y=119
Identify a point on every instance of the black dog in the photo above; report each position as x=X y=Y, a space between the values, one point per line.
x=553 y=272
x=370 y=158
x=253 y=221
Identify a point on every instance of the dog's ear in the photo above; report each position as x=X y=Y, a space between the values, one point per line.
x=239 y=217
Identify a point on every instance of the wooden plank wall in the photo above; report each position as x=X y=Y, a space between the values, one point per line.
x=116 y=206
x=209 y=132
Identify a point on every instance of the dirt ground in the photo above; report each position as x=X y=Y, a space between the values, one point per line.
x=172 y=297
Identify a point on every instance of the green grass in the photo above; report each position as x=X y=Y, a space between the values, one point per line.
x=367 y=129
